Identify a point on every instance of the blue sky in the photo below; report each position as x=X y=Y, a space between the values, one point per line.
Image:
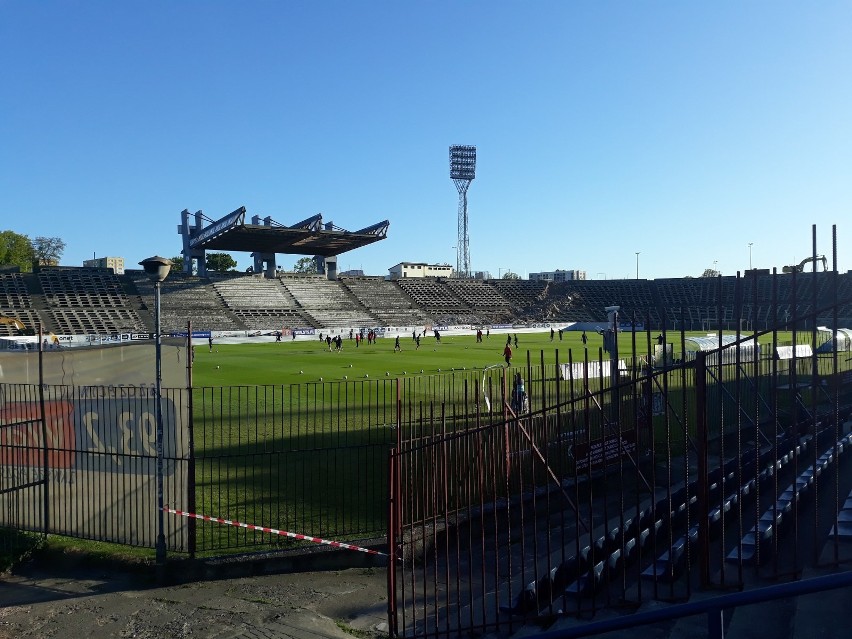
x=681 y=130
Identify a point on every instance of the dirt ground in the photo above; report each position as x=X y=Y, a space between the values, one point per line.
x=39 y=600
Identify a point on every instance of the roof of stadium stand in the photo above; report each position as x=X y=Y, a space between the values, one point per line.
x=308 y=237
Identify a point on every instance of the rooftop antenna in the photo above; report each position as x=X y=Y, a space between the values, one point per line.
x=462 y=172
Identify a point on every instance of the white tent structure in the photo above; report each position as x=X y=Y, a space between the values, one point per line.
x=841 y=341
x=711 y=342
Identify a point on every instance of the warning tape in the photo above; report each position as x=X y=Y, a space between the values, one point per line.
x=274 y=531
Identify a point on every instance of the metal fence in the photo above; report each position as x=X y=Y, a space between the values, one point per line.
x=672 y=474
x=80 y=461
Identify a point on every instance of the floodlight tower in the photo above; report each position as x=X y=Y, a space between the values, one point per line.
x=462 y=172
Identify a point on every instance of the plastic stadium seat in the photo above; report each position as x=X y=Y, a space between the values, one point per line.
x=588 y=583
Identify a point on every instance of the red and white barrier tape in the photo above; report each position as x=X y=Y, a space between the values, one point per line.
x=274 y=531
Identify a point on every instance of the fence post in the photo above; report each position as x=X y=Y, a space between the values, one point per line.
x=703 y=444
x=45 y=453
x=392 y=539
x=192 y=527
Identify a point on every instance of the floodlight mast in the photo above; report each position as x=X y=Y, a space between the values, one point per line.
x=462 y=172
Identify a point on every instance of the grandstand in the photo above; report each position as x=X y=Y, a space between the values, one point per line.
x=96 y=301
x=387 y=301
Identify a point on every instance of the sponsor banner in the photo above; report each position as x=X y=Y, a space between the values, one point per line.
x=630 y=326
x=29 y=343
x=596 y=455
x=110 y=429
x=195 y=334
x=127 y=364
x=101 y=454
x=594 y=368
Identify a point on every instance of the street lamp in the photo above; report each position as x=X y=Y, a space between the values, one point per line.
x=637 y=264
x=749 y=255
x=157 y=269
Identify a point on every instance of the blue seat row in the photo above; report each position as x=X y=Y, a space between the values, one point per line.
x=756 y=545
x=670 y=565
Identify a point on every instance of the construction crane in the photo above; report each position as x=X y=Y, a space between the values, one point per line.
x=18 y=324
x=800 y=267
x=21 y=328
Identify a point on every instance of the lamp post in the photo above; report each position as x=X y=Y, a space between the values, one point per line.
x=157 y=269
x=637 y=264
x=749 y=255
x=715 y=270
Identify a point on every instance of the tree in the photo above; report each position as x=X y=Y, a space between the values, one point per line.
x=221 y=262
x=709 y=272
x=177 y=263
x=48 y=250
x=305 y=265
x=509 y=275
x=16 y=250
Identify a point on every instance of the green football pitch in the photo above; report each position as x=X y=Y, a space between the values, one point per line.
x=301 y=361
x=310 y=361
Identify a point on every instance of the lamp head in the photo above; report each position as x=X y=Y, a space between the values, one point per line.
x=156 y=268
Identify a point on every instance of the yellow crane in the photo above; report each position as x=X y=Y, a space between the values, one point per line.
x=14 y=321
x=800 y=267
x=23 y=330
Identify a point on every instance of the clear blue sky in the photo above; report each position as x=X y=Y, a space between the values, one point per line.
x=682 y=130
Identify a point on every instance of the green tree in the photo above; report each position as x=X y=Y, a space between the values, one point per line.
x=220 y=262
x=16 y=250
x=305 y=265
x=509 y=275
x=177 y=263
x=709 y=272
x=48 y=250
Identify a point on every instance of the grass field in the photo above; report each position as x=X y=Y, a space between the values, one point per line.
x=301 y=362
x=280 y=439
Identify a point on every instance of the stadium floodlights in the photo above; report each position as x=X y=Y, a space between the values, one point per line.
x=462 y=162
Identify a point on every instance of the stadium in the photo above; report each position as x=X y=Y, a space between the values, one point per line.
x=646 y=441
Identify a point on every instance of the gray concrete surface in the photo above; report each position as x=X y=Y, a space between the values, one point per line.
x=80 y=600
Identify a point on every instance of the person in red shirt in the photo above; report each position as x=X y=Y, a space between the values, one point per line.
x=507 y=353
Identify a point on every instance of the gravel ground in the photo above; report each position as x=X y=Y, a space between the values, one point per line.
x=42 y=601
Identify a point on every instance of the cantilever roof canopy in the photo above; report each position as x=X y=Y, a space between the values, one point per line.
x=308 y=237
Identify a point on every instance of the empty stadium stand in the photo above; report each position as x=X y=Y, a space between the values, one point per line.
x=386 y=300
x=87 y=301
x=261 y=303
x=84 y=300
x=186 y=298
x=439 y=301
x=327 y=303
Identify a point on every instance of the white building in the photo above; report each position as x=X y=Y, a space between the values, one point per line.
x=115 y=263
x=419 y=269
x=558 y=276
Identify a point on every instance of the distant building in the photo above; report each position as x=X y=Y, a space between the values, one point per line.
x=355 y=272
x=558 y=276
x=115 y=263
x=419 y=269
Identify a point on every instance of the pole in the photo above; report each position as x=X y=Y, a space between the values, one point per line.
x=637 y=264
x=749 y=255
x=161 y=536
